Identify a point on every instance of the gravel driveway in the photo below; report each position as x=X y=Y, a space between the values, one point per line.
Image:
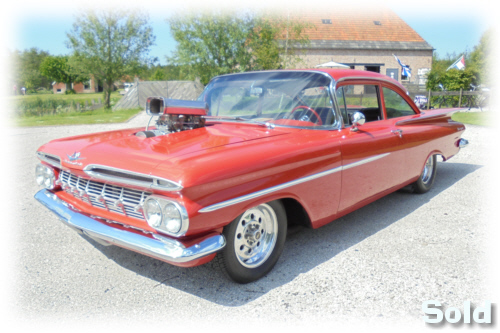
x=371 y=268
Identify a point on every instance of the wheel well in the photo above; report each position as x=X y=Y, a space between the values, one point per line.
x=295 y=213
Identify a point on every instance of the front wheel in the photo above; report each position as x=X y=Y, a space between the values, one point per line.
x=254 y=242
x=426 y=179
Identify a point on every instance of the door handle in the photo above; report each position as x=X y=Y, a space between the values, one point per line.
x=398 y=132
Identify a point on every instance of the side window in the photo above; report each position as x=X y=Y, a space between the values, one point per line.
x=339 y=93
x=362 y=98
x=395 y=104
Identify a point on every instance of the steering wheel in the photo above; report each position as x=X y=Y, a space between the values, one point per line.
x=319 y=121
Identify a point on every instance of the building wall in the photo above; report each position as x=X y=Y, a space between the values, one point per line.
x=79 y=88
x=419 y=61
x=59 y=88
x=85 y=88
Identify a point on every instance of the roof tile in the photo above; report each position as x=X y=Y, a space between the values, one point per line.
x=356 y=25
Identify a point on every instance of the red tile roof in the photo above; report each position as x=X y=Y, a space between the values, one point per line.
x=357 y=25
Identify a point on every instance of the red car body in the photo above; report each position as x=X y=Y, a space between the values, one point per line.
x=225 y=168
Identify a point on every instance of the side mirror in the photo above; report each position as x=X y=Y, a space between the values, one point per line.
x=357 y=119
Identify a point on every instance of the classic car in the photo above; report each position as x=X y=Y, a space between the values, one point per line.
x=224 y=176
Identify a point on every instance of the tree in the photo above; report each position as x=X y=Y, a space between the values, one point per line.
x=158 y=75
x=110 y=44
x=26 y=66
x=275 y=42
x=211 y=44
x=477 y=67
x=57 y=68
x=480 y=57
x=220 y=43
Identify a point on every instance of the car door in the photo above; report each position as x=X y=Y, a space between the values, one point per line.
x=415 y=139
x=372 y=154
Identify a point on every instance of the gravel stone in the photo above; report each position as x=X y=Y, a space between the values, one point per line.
x=370 y=269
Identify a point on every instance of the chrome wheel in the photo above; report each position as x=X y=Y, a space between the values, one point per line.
x=255 y=236
x=427 y=177
x=428 y=170
x=254 y=242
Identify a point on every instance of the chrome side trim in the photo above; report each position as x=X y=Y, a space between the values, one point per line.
x=267 y=191
x=288 y=184
x=160 y=247
x=148 y=181
x=367 y=160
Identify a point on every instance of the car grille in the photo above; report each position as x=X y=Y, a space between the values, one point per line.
x=113 y=198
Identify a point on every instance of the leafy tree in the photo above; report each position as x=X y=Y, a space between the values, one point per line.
x=26 y=68
x=176 y=72
x=452 y=80
x=274 y=42
x=57 y=68
x=480 y=57
x=216 y=43
x=158 y=75
x=477 y=67
x=110 y=44
x=211 y=44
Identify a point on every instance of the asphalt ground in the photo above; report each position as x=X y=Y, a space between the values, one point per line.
x=370 y=269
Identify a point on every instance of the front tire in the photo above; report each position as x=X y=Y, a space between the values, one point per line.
x=254 y=242
x=426 y=179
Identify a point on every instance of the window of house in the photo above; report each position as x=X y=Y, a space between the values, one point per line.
x=395 y=104
x=86 y=85
x=326 y=21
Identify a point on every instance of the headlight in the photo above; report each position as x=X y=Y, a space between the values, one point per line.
x=152 y=210
x=166 y=216
x=173 y=219
x=45 y=176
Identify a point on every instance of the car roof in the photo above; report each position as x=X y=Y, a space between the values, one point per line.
x=338 y=74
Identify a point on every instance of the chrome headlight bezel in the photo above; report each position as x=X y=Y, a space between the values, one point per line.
x=45 y=176
x=172 y=214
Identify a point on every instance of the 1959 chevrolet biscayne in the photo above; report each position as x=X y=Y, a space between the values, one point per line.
x=224 y=176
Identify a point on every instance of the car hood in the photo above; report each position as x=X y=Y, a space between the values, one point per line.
x=123 y=150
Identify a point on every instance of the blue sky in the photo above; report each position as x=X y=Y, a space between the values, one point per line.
x=448 y=28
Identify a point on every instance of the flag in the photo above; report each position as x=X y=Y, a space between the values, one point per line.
x=459 y=64
x=405 y=71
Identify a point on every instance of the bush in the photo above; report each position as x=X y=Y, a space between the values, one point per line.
x=39 y=106
x=452 y=80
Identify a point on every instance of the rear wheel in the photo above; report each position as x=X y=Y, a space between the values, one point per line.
x=254 y=242
x=426 y=179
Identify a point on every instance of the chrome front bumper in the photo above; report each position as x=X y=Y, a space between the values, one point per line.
x=162 y=248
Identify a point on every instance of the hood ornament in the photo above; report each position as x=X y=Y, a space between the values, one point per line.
x=73 y=159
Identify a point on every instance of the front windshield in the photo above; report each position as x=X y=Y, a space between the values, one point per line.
x=283 y=98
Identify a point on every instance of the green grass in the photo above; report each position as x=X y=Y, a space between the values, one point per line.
x=99 y=116
x=474 y=118
x=69 y=97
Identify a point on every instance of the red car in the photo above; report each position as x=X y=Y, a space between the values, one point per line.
x=224 y=176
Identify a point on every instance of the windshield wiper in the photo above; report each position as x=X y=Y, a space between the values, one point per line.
x=239 y=118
